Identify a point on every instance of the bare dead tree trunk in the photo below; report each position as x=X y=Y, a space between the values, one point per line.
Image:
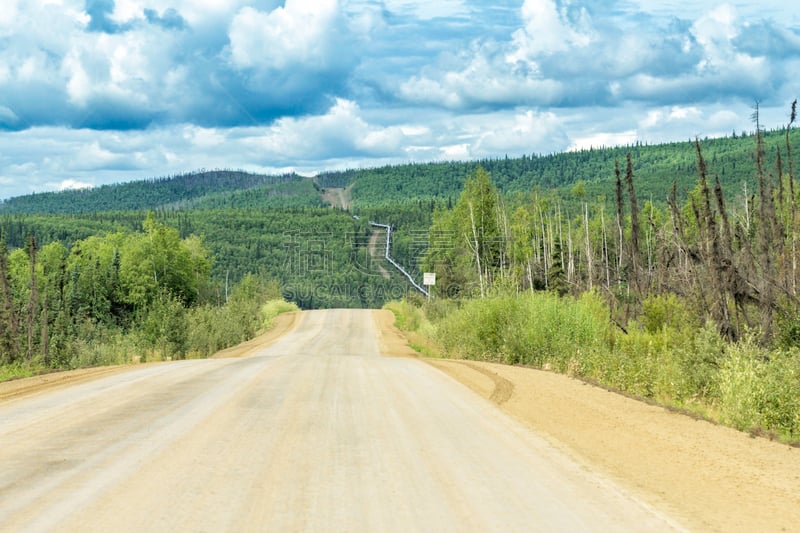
x=589 y=261
x=726 y=225
x=545 y=250
x=715 y=260
x=620 y=232
x=560 y=238
x=746 y=208
x=766 y=234
x=502 y=222
x=476 y=248
x=634 y=251
x=570 y=262
x=605 y=247
x=792 y=208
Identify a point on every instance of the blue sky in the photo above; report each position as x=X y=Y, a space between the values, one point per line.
x=101 y=91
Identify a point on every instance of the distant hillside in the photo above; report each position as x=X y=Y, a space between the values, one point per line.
x=143 y=195
x=655 y=168
x=287 y=195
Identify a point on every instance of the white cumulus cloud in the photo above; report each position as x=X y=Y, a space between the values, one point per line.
x=71 y=184
x=298 y=33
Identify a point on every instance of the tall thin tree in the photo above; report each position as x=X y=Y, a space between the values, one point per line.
x=33 y=295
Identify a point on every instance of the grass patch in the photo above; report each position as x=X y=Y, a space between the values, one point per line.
x=273 y=308
x=20 y=370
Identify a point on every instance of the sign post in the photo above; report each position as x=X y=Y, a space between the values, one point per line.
x=429 y=280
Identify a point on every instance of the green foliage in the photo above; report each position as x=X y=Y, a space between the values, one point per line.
x=408 y=317
x=788 y=325
x=165 y=328
x=670 y=365
x=143 y=195
x=19 y=370
x=591 y=170
x=250 y=310
x=761 y=389
x=661 y=311
x=466 y=243
x=273 y=308
x=290 y=195
x=538 y=329
x=175 y=267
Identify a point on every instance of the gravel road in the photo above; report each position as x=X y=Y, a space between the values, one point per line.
x=315 y=432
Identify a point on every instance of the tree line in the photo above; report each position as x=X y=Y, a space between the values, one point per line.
x=732 y=255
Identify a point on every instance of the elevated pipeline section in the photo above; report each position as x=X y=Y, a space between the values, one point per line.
x=388 y=256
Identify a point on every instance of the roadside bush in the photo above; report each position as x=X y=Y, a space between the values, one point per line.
x=760 y=389
x=408 y=316
x=671 y=365
x=19 y=369
x=666 y=311
x=107 y=346
x=273 y=308
x=533 y=329
x=561 y=332
x=788 y=331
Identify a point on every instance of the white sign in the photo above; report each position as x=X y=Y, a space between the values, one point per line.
x=429 y=278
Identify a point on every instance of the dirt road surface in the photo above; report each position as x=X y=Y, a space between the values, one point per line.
x=377 y=249
x=315 y=432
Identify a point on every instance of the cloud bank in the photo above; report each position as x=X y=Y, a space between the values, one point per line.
x=95 y=91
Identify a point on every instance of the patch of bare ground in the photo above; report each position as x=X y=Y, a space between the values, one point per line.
x=338 y=197
x=377 y=255
x=711 y=477
x=391 y=340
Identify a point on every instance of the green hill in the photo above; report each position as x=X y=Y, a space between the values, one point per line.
x=655 y=167
x=146 y=194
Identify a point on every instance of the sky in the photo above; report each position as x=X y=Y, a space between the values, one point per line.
x=104 y=91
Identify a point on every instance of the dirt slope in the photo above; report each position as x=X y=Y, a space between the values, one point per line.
x=713 y=478
x=339 y=198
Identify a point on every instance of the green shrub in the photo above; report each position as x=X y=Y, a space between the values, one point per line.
x=741 y=385
x=408 y=317
x=666 y=311
x=19 y=369
x=534 y=329
x=761 y=389
x=273 y=308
